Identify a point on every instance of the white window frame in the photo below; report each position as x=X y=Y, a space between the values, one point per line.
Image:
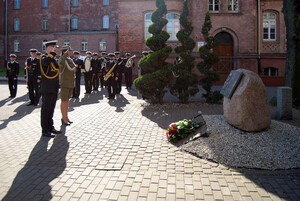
x=214 y=3
x=44 y=46
x=269 y=69
x=45 y=3
x=147 y=22
x=17 y=24
x=16 y=46
x=67 y=42
x=74 y=2
x=105 y=22
x=269 y=22
x=175 y=27
x=102 y=44
x=232 y=4
x=84 y=45
x=105 y=2
x=75 y=22
x=45 y=24
x=17 y=4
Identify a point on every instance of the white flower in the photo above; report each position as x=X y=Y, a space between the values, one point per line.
x=179 y=127
x=185 y=123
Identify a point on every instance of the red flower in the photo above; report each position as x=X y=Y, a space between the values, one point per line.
x=167 y=133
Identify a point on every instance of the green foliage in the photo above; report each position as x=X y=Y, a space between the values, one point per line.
x=186 y=84
x=216 y=97
x=209 y=58
x=158 y=76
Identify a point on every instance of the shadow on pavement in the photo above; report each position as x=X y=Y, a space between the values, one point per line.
x=120 y=102
x=33 y=180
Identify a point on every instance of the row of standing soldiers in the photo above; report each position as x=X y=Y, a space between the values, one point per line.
x=106 y=71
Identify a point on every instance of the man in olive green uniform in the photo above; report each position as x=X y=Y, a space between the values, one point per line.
x=49 y=88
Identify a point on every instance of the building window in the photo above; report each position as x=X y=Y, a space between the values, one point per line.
x=17 y=24
x=45 y=4
x=17 y=4
x=233 y=5
x=44 y=46
x=148 y=22
x=214 y=5
x=45 y=24
x=67 y=42
x=74 y=2
x=16 y=46
x=173 y=25
x=105 y=22
x=271 y=71
x=269 y=26
x=102 y=44
x=75 y=23
x=84 y=45
x=105 y=2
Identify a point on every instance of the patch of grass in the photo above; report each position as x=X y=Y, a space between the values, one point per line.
x=3 y=72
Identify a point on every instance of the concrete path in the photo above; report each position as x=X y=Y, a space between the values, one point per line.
x=117 y=150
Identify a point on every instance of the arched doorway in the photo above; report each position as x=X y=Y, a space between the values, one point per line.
x=224 y=50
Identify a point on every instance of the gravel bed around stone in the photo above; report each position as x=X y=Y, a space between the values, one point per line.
x=272 y=149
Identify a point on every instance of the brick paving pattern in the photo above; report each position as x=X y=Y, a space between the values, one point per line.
x=118 y=151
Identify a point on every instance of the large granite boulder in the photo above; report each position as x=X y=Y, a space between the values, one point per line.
x=248 y=107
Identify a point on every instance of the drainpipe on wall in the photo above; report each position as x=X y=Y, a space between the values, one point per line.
x=258 y=35
x=69 y=17
x=6 y=35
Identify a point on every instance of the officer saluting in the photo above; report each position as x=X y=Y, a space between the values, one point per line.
x=49 y=88
x=33 y=77
x=79 y=66
x=12 y=75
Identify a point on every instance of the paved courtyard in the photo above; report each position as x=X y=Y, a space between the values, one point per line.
x=117 y=150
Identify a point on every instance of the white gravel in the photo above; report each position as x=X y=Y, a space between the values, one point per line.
x=275 y=148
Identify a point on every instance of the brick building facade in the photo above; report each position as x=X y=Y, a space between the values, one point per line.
x=248 y=38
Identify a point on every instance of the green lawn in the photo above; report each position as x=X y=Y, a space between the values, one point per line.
x=3 y=72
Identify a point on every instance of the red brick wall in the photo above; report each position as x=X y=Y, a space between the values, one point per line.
x=2 y=32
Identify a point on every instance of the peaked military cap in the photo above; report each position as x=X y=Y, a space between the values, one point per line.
x=127 y=54
x=51 y=43
x=66 y=47
x=111 y=54
x=33 y=50
x=103 y=53
x=38 y=53
x=75 y=52
x=95 y=54
x=117 y=52
x=13 y=55
x=88 y=52
x=144 y=52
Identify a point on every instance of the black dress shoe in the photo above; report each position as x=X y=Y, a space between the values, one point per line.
x=48 y=134
x=70 y=122
x=55 y=131
x=64 y=123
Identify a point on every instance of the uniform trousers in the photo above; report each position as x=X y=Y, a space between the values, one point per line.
x=13 y=85
x=95 y=81
x=34 y=91
x=111 y=87
x=128 y=77
x=76 y=91
x=47 y=111
x=88 y=82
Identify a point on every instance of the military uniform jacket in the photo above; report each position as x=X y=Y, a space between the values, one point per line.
x=109 y=65
x=12 y=70
x=33 y=69
x=67 y=71
x=120 y=66
x=50 y=72
x=80 y=64
x=95 y=63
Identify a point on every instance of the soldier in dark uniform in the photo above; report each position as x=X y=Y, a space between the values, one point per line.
x=12 y=74
x=79 y=67
x=128 y=70
x=103 y=61
x=49 y=88
x=111 y=71
x=120 y=67
x=33 y=77
x=88 y=73
x=95 y=63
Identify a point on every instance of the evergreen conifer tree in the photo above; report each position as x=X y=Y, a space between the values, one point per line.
x=209 y=58
x=158 y=72
x=186 y=84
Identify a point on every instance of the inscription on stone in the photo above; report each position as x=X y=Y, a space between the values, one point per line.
x=231 y=83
